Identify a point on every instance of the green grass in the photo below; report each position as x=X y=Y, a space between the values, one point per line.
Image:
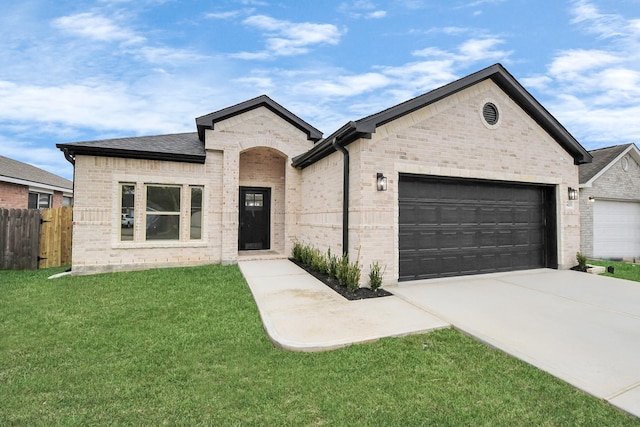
x=186 y=347
x=622 y=270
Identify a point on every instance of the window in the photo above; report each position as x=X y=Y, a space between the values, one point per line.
x=39 y=200
x=67 y=201
x=196 y=214
x=167 y=212
x=163 y=212
x=128 y=198
x=253 y=200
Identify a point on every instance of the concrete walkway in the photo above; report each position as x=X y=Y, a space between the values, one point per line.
x=300 y=313
x=581 y=328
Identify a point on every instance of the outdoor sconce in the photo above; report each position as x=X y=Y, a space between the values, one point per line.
x=573 y=194
x=381 y=182
x=591 y=199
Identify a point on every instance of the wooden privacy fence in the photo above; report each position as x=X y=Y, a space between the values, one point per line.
x=31 y=238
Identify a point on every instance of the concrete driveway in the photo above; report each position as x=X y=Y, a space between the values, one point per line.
x=582 y=328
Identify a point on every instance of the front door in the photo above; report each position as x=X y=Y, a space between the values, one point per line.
x=255 y=218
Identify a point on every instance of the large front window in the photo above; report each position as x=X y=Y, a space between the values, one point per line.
x=160 y=212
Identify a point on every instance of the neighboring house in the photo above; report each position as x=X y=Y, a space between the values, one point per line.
x=473 y=177
x=23 y=186
x=610 y=203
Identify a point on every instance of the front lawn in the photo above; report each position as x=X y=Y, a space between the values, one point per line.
x=621 y=270
x=186 y=347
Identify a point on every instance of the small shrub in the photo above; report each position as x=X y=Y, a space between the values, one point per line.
x=342 y=269
x=582 y=260
x=306 y=255
x=375 y=275
x=318 y=261
x=352 y=278
x=332 y=264
x=297 y=251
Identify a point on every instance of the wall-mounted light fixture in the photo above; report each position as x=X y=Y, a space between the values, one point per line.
x=381 y=182
x=573 y=194
x=591 y=199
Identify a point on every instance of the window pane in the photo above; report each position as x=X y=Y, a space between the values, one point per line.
x=126 y=214
x=163 y=227
x=33 y=200
x=44 y=201
x=196 y=213
x=163 y=199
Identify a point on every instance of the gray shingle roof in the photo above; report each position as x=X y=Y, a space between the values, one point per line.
x=11 y=168
x=601 y=158
x=180 y=147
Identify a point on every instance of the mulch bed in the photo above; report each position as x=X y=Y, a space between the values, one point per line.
x=577 y=268
x=360 y=293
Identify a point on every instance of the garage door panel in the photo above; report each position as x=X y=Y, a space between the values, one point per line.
x=616 y=229
x=469 y=227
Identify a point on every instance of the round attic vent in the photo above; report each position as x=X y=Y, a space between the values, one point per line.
x=490 y=113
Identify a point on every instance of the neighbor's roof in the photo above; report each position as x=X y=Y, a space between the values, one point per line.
x=364 y=127
x=602 y=159
x=26 y=174
x=179 y=147
x=208 y=121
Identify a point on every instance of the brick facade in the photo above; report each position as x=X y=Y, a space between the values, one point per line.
x=14 y=196
x=256 y=147
x=447 y=138
x=252 y=149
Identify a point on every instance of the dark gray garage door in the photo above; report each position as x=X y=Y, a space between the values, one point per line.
x=453 y=227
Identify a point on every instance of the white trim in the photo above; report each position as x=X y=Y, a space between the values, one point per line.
x=631 y=149
x=35 y=184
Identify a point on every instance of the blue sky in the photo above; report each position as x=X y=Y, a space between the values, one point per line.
x=78 y=70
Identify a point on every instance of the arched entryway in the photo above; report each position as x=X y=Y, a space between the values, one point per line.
x=262 y=191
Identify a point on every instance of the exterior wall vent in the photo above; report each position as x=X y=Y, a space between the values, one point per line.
x=490 y=113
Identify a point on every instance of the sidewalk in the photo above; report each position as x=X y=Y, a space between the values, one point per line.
x=300 y=313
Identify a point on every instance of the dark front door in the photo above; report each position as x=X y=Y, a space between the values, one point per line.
x=453 y=227
x=255 y=218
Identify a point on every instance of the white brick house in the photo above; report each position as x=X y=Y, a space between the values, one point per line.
x=610 y=203
x=477 y=176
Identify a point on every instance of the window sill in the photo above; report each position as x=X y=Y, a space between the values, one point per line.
x=157 y=244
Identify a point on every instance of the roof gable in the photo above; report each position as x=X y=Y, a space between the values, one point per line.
x=208 y=121
x=13 y=170
x=364 y=127
x=603 y=160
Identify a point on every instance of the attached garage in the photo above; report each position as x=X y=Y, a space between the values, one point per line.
x=451 y=227
x=616 y=229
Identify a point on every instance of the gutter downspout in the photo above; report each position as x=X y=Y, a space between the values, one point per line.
x=345 y=197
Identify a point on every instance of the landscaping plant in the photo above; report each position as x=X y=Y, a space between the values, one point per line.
x=582 y=261
x=375 y=275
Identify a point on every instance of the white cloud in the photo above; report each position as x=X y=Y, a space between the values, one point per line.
x=377 y=14
x=483 y=49
x=362 y=9
x=286 y=38
x=596 y=92
x=223 y=15
x=568 y=64
x=96 y=27
x=605 y=25
x=469 y=51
